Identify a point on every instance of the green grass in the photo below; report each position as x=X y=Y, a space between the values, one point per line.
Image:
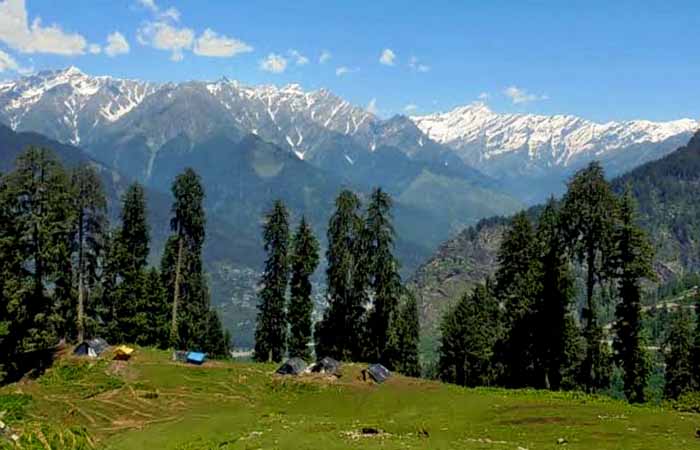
x=157 y=404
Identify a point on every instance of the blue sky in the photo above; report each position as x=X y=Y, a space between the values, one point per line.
x=603 y=60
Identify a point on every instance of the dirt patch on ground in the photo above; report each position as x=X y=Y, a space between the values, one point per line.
x=534 y=420
x=123 y=370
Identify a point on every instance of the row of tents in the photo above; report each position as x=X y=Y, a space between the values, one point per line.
x=294 y=366
x=297 y=366
x=95 y=347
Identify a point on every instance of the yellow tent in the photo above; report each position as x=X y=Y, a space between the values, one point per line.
x=123 y=352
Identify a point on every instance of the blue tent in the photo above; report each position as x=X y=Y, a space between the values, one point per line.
x=196 y=358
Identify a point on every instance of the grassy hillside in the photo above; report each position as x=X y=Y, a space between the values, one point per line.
x=151 y=402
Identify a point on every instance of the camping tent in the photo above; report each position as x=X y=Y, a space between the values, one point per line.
x=328 y=366
x=378 y=373
x=196 y=358
x=91 y=347
x=293 y=366
x=180 y=356
x=123 y=352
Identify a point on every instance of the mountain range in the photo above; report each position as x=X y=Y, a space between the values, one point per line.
x=535 y=154
x=254 y=144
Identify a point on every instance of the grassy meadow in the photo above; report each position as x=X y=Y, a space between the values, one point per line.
x=151 y=402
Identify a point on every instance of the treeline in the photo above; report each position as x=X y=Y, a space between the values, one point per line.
x=369 y=317
x=66 y=274
x=521 y=329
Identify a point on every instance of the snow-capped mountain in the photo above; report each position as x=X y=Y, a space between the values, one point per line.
x=127 y=123
x=73 y=107
x=67 y=104
x=516 y=145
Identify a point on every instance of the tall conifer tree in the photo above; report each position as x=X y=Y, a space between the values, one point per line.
x=304 y=261
x=340 y=332
x=271 y=329
x=554 y=300
x=588 y=216
x=90 y=208
x=468 y=334
x=402 y=349
x=633 y=259
x=678 y=356
x=35 y=235
x=517 y=286
x=190 y=298
x=384 y=278
x=130 y=251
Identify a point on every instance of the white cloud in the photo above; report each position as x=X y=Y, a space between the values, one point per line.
x=168 y=14
x=149 y=4
x=163 y=36
x=344 y=70
x=416 y=65
x=325 y=57
x=17 y=33
x=274 y=63
x=411 y=107
x=484 y=96
x=94 y=49
x=518 y=95
x=217 y=45
x=116 y=45
x=387 y=57
x=372 y=106
x=299 y=59
x=7 y=62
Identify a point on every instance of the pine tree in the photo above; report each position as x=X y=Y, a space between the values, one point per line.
x=402 y=349
x=304 y=261
x=271 y=329
x=678 y=356
x=517 y=286
x=468 y=334
x=552 y=325
x=107 y=323
x=130 y=250
x=696 y=344
x=340 y=332
x=588 y=216
x=384 y=278
x=188 y=224
x=35 y=223
x=152 y=316
x=217 y=341
x=633 y=258
x=90 y=206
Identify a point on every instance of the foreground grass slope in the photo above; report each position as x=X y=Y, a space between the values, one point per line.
x=153 y=403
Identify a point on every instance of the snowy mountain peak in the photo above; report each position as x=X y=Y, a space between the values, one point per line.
x=481 y=136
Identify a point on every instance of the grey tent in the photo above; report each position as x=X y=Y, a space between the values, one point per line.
x=91 y=347
x=378 y=373
x=293 y=366
x=327 y=365
x=180 y=356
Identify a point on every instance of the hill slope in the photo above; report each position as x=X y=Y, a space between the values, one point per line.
x=152 y=402
x=667 y=193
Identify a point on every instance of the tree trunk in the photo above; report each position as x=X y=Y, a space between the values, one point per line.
x=590 y=284
x=176 y=294
x=81 y=283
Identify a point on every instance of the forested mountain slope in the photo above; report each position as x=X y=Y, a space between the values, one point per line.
x=666 y=191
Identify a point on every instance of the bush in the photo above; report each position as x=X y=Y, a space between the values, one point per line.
x=688 y=402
